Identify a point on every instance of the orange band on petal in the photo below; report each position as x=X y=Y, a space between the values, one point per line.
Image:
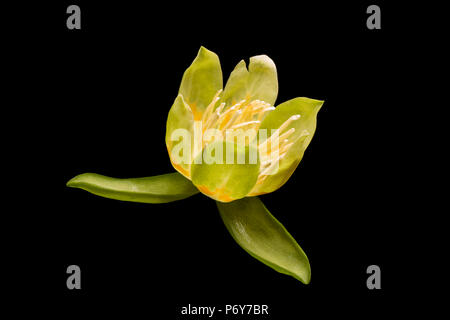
x=218 y=194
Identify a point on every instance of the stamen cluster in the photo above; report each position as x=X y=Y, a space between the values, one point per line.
x=247 y=115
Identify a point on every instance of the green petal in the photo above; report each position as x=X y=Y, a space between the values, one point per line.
x=226 y=181
x=253 y=227
x=307 y=109
x=158 y=189
x=180 y=117
x=201 y=81
x=258 y=82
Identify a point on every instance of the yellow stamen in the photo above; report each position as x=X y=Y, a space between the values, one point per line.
x=250 y=114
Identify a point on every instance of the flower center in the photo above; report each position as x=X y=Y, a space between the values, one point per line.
x=242 y=115
x=243 y=120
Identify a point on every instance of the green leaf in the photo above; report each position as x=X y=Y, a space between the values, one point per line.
x=305 y=127
x=158 y=189
x=264 y=238
x=201 y=81
x=258 y=82
x=230 y=175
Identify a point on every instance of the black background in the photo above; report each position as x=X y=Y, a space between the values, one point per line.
x=96 y=100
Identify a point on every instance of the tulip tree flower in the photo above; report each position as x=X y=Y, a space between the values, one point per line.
x=232 y=145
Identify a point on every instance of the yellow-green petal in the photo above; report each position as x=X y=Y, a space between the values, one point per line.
x=226 y=181
x=259 y=82
x=304 y=132
x=201 y=81
x=179 y=131
x=264 y=237
x=157 y=189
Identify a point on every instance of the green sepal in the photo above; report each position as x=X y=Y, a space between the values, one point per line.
x=157 y=189
x=253 y=227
